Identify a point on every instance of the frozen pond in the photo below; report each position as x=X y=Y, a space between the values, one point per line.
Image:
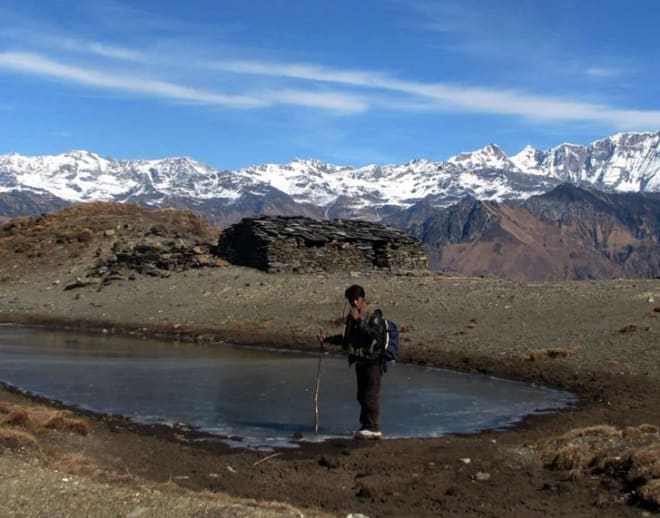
x=260 y=395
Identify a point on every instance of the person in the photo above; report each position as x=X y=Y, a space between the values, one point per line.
x=362 y=340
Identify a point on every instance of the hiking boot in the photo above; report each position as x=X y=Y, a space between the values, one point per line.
x=367 y=434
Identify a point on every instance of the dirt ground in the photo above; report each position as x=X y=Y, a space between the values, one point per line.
x=600 y=340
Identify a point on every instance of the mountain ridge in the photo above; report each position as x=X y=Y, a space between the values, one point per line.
x=570 y=212
x=622 y=162
x=566 y=234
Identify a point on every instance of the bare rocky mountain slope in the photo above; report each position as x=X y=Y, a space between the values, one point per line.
x=568 y=233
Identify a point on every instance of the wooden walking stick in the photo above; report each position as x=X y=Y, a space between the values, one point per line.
x=318 y=384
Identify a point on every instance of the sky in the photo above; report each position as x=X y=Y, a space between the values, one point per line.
x=234 y=83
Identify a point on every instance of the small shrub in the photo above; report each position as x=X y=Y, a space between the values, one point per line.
x=578 y=450
x=16 y=418
x=636 y=432
x=16 y=439
x=645 y=463
x=40 y=418
x=650 y=492
x=631 y=456
x=76 y=464
x=68 y=424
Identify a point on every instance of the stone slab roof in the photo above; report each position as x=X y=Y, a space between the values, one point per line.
x=300 y=244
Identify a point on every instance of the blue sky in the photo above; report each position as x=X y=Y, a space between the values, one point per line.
x=233 y=83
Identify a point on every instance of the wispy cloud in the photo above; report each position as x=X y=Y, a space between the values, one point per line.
x=35 y=64
x=441 y=96
x=327 y=100
x=300 y=71
x=602 y=72
x=103 y=49
x=309 y=85
x=38 y=65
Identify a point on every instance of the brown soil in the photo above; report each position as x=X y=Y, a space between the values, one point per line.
x=598 y=339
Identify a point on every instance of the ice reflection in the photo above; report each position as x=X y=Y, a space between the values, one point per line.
x=260 y=395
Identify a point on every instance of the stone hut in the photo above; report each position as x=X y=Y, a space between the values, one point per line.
x=306 y=245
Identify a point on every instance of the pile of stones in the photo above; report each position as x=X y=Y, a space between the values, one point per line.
x=155 y=259
x=306 y=245
x=156 y=254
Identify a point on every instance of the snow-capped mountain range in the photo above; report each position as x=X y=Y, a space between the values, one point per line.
x=623 y=162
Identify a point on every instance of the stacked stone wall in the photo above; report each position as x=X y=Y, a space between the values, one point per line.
x=305 y=245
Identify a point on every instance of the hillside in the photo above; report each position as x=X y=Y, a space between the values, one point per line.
x=568 y=233
x=108 y=241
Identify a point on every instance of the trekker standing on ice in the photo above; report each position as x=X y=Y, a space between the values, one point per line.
x=363 y=340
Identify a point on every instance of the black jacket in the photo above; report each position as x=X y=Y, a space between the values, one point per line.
x=363 y=339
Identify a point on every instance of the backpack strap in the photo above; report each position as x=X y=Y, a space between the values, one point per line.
x=387 y=335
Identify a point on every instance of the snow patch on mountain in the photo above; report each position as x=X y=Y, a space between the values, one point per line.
x=623 y=162
x=529 y=160
x=488 y=157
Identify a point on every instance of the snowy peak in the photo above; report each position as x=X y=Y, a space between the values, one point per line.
x=488 y=157
x=529 y=160
x=637 y=140
x=80 y=176
x=623 y=162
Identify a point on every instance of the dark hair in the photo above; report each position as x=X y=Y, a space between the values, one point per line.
x=354 y=292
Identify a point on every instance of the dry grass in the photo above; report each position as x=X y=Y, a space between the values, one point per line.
x=39 y=418
x=76 y=464
x=578 y=450
x=551 y=353
x=72 y=230
x=63 y=423
x=16 y=439
x=15 y=417
x=638 y=432
x=645 y=463
x=631 y=455
x=23 y=424
x=650 y=492
x=85 y=466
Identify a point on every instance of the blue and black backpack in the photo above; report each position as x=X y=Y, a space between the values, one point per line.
x=384 y=348
x=391 y=344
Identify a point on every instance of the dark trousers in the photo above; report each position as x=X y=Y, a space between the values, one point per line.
x=368 y=394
